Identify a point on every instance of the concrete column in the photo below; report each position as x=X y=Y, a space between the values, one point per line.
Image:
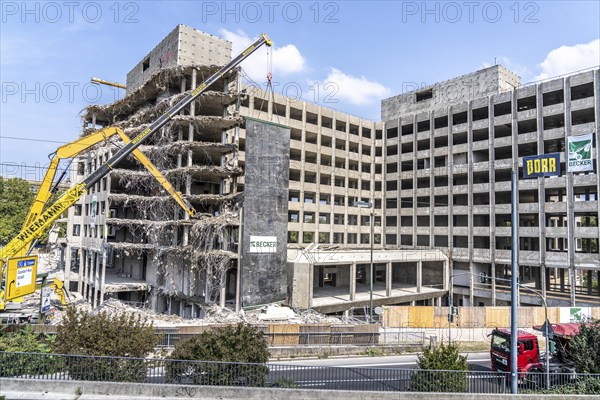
x=222 y=292
x=94 y=280
x=570 y=197
x=90 y=279
x=414 y=192
x=84 y=278
x=388 y=279
x=311 y=277
x=471 y=281
x=450 y=157
x=445 y=274
x=541 y=195
x=80 y=272
x=543 y=279
x=188 y=179
x=97 y=280
x=352 y=281
x=470 y=196
x=419 y=276
x=103 y=277
x=88 y=273
x=492 y=199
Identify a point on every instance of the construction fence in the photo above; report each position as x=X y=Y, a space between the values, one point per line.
x=428 y=317
x=278 y=335
x=290 y=334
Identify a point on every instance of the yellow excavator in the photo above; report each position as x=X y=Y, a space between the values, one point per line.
x=49 y=187
x=40 y=219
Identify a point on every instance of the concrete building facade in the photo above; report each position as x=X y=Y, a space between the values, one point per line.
x=435 y=170
x=449 y=152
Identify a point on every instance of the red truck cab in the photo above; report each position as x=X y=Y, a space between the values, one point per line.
x=528 y=356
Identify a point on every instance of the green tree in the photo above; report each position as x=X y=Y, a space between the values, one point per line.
x=124 y=335
x=15 y=201
x=239 y=344
x=585 y=347
x=18 y=339
x=24 y=339
x=441 y=369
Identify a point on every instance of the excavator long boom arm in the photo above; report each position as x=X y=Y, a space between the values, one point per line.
x=70 y=197
x=74 y=148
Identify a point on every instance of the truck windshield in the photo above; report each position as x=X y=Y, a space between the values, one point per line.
x=501 y=343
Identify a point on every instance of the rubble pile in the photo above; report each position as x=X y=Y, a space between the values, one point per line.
x=214 y=315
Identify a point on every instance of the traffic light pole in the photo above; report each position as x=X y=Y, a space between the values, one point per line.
x=514 y=284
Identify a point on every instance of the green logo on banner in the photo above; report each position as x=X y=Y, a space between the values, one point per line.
x=580 y=153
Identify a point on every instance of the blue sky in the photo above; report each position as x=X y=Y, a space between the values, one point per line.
x=346 y=55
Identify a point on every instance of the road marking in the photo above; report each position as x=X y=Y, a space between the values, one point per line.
x=293 y=366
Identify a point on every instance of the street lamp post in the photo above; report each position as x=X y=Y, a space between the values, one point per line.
x=371 y=239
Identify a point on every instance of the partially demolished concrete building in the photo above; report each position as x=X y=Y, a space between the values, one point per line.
x=128 y=239
x=136 y=243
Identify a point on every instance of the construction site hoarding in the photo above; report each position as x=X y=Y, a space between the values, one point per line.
x=427 y=317
x=265 y=208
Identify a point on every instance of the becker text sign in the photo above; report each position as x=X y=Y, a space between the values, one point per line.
x=263 y=244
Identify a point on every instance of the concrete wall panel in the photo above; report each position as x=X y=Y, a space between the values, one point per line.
x=264 y=275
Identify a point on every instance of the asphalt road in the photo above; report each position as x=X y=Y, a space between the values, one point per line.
x=476 y=361
x=391 y=373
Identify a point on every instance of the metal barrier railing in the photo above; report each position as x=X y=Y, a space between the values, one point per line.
x=62 y=367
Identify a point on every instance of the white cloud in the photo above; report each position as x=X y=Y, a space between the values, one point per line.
x=286 y=60
x=358 y=91
x=567 y=59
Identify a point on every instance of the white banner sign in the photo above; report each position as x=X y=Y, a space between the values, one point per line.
x=46 y=291
x=93 y=211
x=575 y=314
x=580 y=153
x=263 y=244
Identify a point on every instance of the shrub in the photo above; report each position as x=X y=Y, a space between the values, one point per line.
x=122 y=335
x=439 y=371
x=587 y=385
x=23 y=339
x=285 y=382
x=210 y=352
x=585 y=347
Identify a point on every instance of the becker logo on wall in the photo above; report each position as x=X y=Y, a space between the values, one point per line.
x=263 y=244
x=580 y=153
